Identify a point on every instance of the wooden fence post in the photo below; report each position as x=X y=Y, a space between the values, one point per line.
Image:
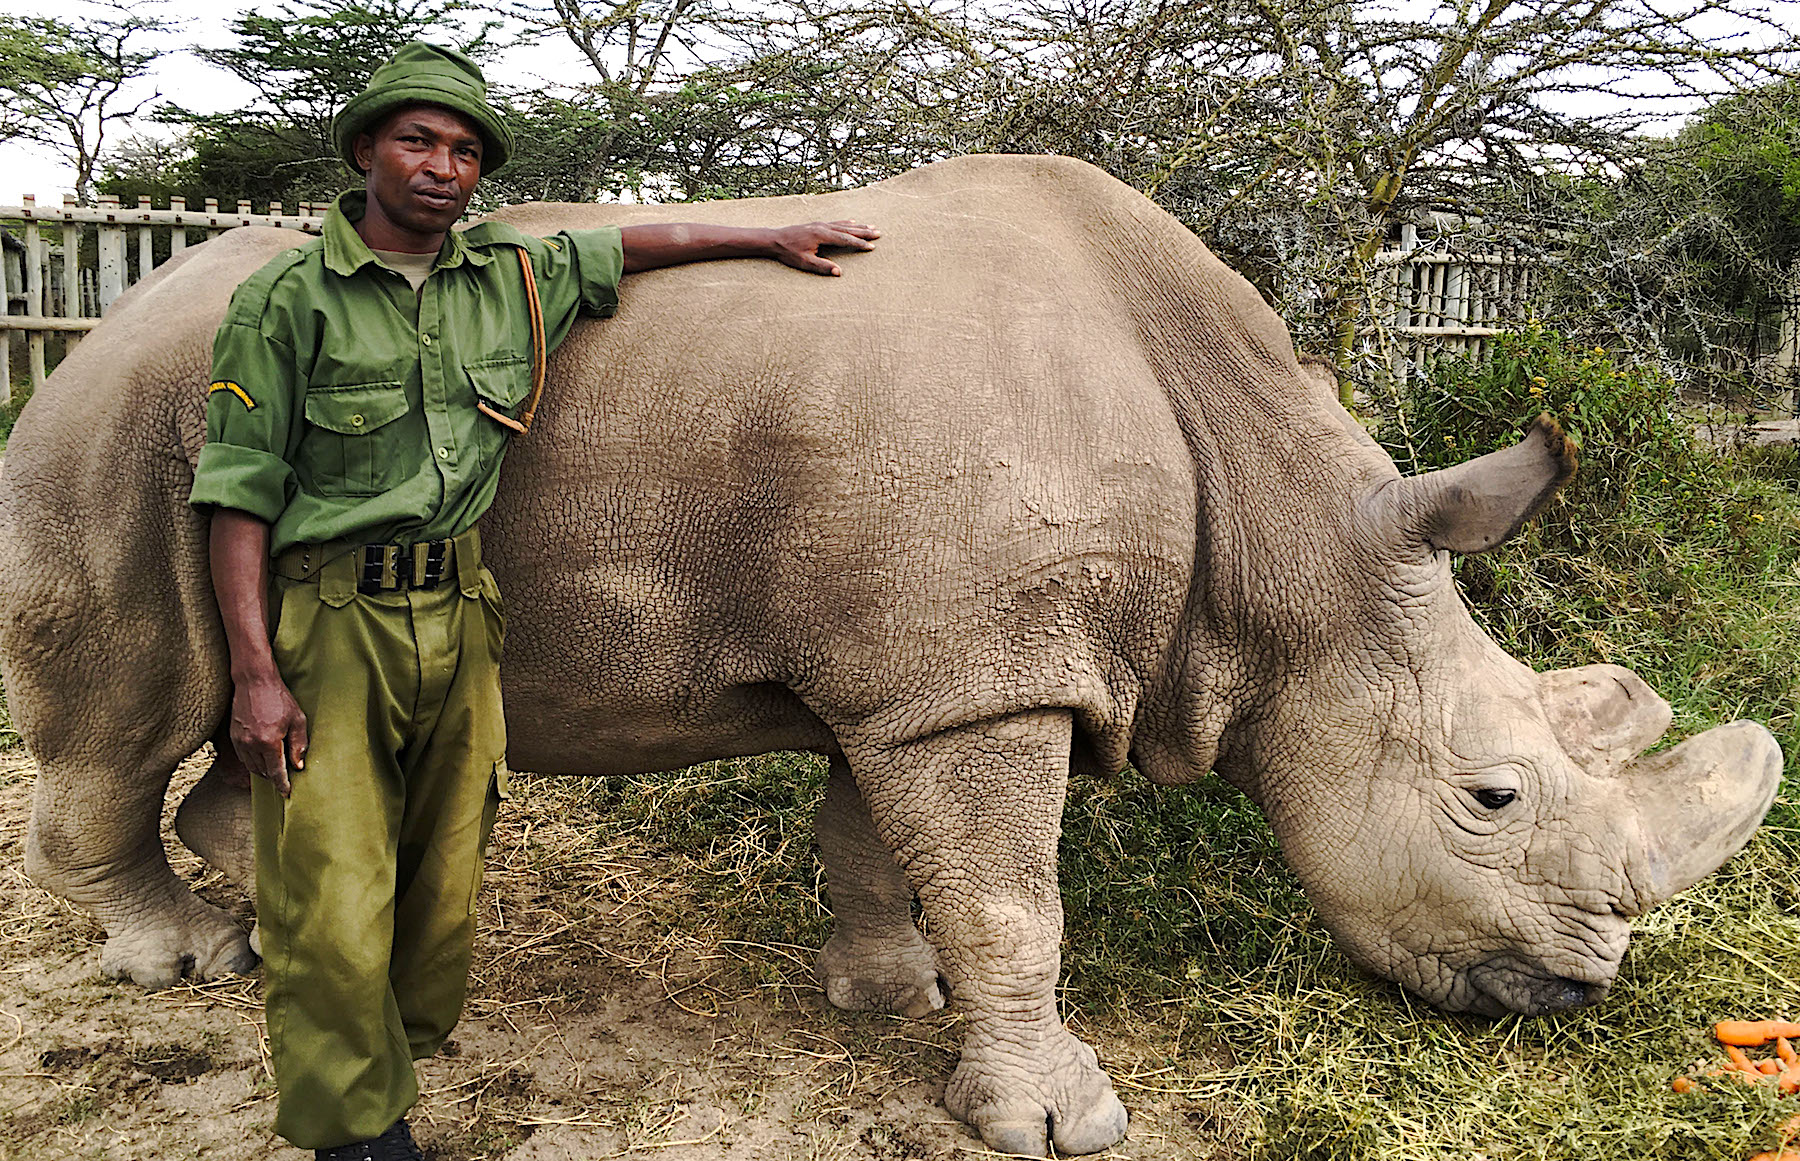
x=110 y=237
x=177 y=235
x=36 y=256
x=71 y=265
x=6 y=336
x=146 y=244
x=1787 y=350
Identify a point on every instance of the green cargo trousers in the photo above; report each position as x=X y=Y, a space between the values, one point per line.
x=367 y=875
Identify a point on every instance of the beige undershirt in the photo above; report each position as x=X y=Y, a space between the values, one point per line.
x=413 y=267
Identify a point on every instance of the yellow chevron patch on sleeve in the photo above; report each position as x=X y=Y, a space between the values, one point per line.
x=227 y=385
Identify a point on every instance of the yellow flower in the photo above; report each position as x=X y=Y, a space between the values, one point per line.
x=1756 y=516
x=1535 y=390
x=1451 y=440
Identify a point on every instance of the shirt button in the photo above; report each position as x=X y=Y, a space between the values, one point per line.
x=443 y=453
x=356 y=421
x=426 y=339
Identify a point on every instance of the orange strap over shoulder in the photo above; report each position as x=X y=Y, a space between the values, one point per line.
x=535 y=309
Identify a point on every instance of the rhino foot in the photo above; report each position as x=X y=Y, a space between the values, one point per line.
x=1069 y=1104
x=192 y=939
x=900 y=976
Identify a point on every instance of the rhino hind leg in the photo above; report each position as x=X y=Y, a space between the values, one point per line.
x=95 y=840
x=213 y=820
x=972 y=816
x=876 y=959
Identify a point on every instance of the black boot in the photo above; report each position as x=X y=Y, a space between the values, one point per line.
x=394 y=1145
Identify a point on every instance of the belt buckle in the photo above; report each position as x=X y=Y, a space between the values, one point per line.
x=428 y=563
x=380 y=568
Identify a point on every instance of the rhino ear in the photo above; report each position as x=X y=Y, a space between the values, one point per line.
x=1481 y=504
x=1604 y=715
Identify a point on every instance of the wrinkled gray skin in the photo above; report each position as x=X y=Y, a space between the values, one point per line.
x=1036 y=485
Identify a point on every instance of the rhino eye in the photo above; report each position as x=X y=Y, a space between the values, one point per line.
x=1494 y=799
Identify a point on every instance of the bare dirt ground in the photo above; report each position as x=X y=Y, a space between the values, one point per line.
x=600 y=1025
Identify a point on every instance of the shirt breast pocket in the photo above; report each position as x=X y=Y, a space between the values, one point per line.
x=351 y=445
x=501 y=383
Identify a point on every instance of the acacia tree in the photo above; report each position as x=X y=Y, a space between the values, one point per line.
x=66 y=84
x=692 y=99
x=1703 y=241
x=1345 y=121
x=305 y=59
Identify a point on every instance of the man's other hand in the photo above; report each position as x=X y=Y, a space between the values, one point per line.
x=268 y=729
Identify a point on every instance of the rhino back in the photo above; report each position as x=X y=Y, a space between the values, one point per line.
x=763 y=508
x=759 y=508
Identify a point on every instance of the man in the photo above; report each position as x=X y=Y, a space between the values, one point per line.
x=365 y=386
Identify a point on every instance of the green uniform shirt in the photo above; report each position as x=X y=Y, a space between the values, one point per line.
x=343 y=403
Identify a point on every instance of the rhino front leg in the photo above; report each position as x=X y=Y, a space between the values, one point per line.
x=95 y=840
x=876 y=960
x=972 y=816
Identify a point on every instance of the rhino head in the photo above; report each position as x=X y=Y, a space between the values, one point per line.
x=1477 y=832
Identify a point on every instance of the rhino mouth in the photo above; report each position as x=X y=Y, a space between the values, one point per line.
x=1509 y=985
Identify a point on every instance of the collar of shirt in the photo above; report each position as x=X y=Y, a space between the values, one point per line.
x=346 y=252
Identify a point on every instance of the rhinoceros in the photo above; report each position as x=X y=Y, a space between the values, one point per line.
x=1037 y=486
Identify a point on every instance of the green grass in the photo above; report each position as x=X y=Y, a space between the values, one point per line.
x=1187 y=935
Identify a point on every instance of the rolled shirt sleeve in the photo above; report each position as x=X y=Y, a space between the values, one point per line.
x=249 y=424
x=578 y=273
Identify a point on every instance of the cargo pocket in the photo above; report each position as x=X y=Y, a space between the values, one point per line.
x=296 y=612
x=350 y=445
x=493 y=614
x=499 y=790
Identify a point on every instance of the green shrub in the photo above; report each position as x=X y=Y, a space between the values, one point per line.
x=1664 y=554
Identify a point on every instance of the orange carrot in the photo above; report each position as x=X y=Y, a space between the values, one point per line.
x=1785 y=1050
x=1682 y=1084
x=1768 y=1067
x=1789 y=1083
x=1750 y=1033
x=1738 y=1060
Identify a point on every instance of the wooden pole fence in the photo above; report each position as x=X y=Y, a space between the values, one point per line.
x=63 y=283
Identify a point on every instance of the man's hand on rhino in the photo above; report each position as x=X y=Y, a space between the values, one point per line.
x=268 y=729
x=672 y=243
x=799 y=246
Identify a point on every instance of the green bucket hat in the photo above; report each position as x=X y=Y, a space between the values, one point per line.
x=424 y=74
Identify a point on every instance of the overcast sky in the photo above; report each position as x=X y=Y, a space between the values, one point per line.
x=189 y=81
